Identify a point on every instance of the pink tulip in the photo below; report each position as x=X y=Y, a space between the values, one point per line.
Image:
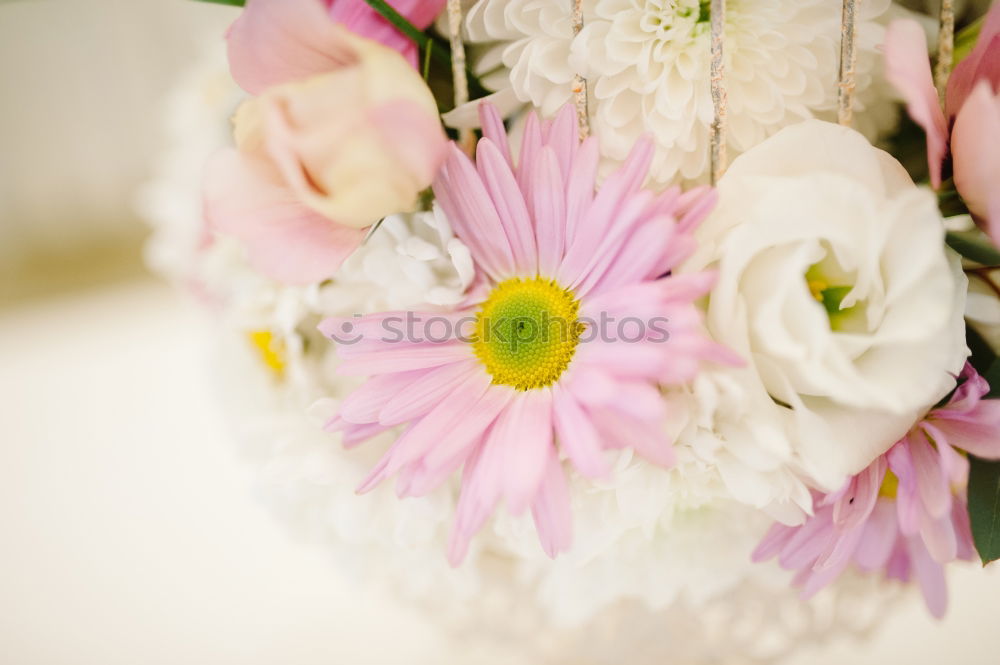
x=318 y=159
x=276 y=41
x=973 y=113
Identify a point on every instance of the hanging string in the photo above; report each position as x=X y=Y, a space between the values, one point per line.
x=717 y=153
x=848 y=60
x=946 y=48
x=580 y=83
x=466 y=137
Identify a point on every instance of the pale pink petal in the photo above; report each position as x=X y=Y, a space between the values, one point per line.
x=808 y=542
x=402 y=358
x=975 y=146
x=494 y=130
x=404 y=405
x=878 y=539
x=930 y=575
x=563 y=137
x=577 y=435
x=982 y=64
x=464 y=199
x=470 y=423
x=932 y=482
x=479 y=496
x=838 y=554
x=939 y=537
x=773 y=542
x=284 y=239
x=549 y=206
x=855 y=506
x=531 y=145
x=695 y=205
x=580 y=186
x=907 y=67
x=435 y=429
x=494 y=169
x=524 y=432
x=976 y=432
x=365 y=403
x=551 y=509
x=276 y=41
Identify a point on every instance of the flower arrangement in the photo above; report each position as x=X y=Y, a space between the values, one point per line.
x=592 y=308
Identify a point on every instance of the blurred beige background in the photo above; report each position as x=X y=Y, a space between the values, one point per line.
x=128 y=529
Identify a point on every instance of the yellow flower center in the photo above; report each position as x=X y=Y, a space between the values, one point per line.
x=526 y=332
x=890 y=485
x=270 y=350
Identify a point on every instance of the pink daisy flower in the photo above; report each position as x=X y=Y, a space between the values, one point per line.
x=570 y=327
x=905 y=514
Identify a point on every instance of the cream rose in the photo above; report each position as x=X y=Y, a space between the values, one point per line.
x=836 y=287
x=318 y=159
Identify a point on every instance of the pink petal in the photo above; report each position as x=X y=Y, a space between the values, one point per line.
x=365 y=403
x=479 y=496
x=976 y=432
x=404 y=358
x=494 y=169
x=471 y=422
x=359 y=17
x=808 y=543
x=551 y=509
x=563 y=137
x=938 y=535
x=463 y=197
x=524 y=432
x=494 y=130
x=859 y=501
x=975 y=147
x=982 y=64
x=284 y=239
x=931 y=480
x=773 y=542
x=405 y=405
x=907 y=67
x=549 y=206
x=447 y=422
x=276 y=41
x=580 y=186
x=878 y=539
x=577 y=435
x=930 y=575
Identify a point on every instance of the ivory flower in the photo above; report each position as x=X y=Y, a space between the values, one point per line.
x=320 y=158
x=835 y=283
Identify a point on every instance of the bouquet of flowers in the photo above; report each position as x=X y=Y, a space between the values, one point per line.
x=609 y=317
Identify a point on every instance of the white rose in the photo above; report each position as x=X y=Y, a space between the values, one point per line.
x=836 y=287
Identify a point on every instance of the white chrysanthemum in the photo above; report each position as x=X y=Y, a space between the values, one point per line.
x=647 y=66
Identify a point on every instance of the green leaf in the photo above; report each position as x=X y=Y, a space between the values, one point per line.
x=966 y=39
x=975 y=246
x=231 y=3
x=984 y=507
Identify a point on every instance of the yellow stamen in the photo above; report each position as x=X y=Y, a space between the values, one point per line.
x=270 y=350
x=526 y=332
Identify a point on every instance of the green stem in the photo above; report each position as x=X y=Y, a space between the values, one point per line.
x=231 y=3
